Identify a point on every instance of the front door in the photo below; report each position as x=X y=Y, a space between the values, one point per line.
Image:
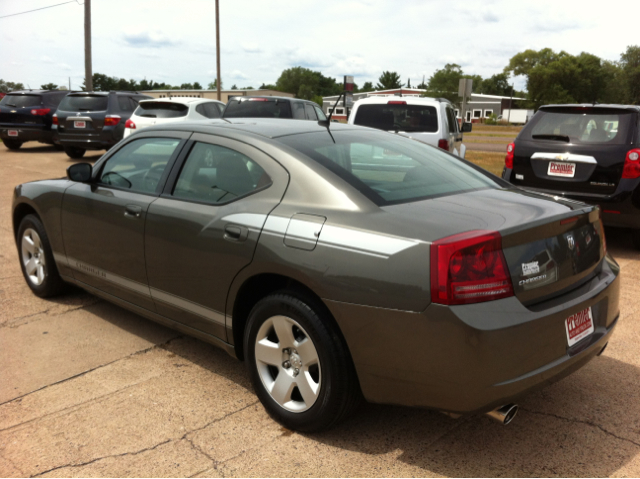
x=103 y=221
x=205 y=227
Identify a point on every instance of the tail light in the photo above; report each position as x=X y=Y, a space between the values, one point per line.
x=54 y=119
x=40 y=111
x=631 y=168
x=444 y=144
x=111 y=120
x=396 y=102
x=508 y=160
x=258 y=99
x=130 y=124
x=469 y=268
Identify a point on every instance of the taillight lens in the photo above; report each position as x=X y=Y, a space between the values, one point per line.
x=54 y=119
x=40 y=111
x=396 y=102
x=631 y=168
x=508 y=160
x=130 y=124
x=257 y=99
x=444 y=144
x=469 y=268
x=111 y=120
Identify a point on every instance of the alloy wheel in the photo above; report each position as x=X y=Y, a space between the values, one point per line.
x=33 y=257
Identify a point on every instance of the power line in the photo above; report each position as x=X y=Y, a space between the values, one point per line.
x=35 y=10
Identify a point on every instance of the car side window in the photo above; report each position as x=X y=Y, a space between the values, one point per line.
x=124 y=104
x=451 y=119
x=208 y=110
x=215 y=174
x=297 y=109
x=139 y=165
x=320 y=113
x=311 y=113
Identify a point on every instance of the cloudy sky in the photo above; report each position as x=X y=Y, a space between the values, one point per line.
x=174 y=42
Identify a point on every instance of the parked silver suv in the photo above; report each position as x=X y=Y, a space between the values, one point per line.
x=431 y=120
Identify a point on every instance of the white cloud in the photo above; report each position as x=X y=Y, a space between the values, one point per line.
x=146 y=38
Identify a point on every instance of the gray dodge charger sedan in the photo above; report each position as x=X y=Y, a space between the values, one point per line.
x=337 y=261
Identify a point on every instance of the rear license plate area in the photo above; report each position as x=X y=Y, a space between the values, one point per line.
x=12 y=133
x=79 y=124
x=578 y=326
x=560 y=168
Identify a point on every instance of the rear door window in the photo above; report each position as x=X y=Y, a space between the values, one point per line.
x=398 y=116
x=581 y=126
x=21 y=101
x=208 y=110
x=125 y=103
x=161 y=109
x=84 y=103
x=139 y=165
x=453 y=123
x=215 y=174
x=258 y=108
x=311 y=113
x=297 y=110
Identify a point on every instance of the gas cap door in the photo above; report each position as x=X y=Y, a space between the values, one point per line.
x=303 y=231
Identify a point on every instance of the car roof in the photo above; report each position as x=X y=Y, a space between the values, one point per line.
x=268 y=97
x=265 y=127
x=37 y=92
x=182 y=100
x=411 y=100
x=608 y=106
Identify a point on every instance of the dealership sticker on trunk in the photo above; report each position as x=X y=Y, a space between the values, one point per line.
x=579 y=326
x=12 y=132
x=567 y=170
x=80 y=124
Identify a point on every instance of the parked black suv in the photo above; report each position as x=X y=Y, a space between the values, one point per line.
x=28 y=115
x=272 y=107
x=94 y=120
x=589 y=153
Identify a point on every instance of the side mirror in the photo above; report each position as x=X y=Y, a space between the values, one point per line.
x=80 y=172
x=466 y=127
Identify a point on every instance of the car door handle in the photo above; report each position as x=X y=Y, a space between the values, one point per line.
x=236 y=233
x=132 y=211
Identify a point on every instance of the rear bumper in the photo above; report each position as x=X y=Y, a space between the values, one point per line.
x=26 y=133
x=474 y=358
x=90 y=141
x=621 y=209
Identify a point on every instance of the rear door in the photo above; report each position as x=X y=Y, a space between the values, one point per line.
x=21 y=110
x=103 y=222
x=572 y=149
x=205 y=227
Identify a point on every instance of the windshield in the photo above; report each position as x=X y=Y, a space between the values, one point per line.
x=84 y=103
x=257 y=108
x=401 y=117
x=582 y=126
x=389 y=169
x=161 y=109
x=21 y=101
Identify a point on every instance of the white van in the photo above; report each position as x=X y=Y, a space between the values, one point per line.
x=430 y=120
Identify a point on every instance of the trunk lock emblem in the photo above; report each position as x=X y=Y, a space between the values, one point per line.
x=571 y=242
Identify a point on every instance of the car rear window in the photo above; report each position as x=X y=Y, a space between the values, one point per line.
x=257 y=108
x=401 y=117
x=161 y=109
x=21 y=101
x=389 y=169
x=581 y=126
x=84 y=103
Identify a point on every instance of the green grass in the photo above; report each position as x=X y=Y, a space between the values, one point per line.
x=490 y=161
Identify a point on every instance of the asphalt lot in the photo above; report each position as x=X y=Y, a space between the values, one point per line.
x=89 y=389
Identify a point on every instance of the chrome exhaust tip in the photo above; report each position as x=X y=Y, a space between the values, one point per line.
x=505 y=414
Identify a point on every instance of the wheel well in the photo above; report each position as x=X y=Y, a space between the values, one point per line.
x=20 y=212
x=256 y=288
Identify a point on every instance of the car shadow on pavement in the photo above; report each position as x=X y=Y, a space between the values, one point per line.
x=583 y=425
x=620 y=244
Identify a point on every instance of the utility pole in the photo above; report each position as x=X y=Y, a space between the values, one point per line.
x=510 y=105
x=218 y=50
x=88 y=74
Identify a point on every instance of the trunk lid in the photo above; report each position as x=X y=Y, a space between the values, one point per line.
x=550 y=245
x=82 y=113
x=16 y=110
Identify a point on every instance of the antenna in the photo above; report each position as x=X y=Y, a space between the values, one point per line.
x=327 y=122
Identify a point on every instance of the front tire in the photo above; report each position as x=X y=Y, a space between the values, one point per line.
x=12 y=144
x=36 y=258
x=73 y=152
x=299 y=364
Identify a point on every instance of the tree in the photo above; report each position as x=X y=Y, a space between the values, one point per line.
x=197 y=86
x=49 y=86
x=234 y=87
x=307 y=84
x=267 y=86
x=186 y=86
x=445 y=82
x=6 y=87
x=214 y=85
x=630 y=65
x=368 y=86
x=389 y=81
x=497 y=84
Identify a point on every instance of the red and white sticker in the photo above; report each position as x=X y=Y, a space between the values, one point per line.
x=12 y=132
x=579 y=326
x=567 y=170
x=80 y=124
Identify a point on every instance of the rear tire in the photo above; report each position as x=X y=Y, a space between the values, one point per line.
x=299 y=364
x=73 y=152
x=635 y=236
x=12 y=144
x=36 y=258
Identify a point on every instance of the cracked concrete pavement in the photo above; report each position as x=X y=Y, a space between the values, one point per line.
x=89 y=389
